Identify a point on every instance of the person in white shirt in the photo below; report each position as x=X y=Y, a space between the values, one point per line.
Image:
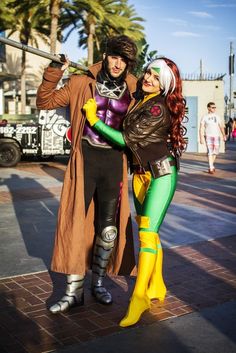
x=211 y=129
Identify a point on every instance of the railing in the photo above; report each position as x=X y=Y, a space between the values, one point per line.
x=203 y=77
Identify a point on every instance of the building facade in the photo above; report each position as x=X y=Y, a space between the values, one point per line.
x=10 y=76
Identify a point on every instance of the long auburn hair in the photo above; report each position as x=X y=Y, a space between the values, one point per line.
x=176 y=105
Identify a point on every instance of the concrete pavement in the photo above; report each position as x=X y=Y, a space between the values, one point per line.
x=210 y=330
x=30 y=198
x=199 y=266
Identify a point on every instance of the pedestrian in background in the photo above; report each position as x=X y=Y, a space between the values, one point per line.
x=228 y=129
x=234 y=129
x=211 y=128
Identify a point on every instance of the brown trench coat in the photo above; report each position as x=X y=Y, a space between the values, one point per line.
x=75 y=233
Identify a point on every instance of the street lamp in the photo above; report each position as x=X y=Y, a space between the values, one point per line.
x=226 y=110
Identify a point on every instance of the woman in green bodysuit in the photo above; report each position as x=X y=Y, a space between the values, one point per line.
x=156 y=118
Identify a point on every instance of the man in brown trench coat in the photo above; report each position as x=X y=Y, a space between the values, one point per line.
x=94 y=227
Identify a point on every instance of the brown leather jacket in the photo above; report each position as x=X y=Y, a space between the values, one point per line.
x=75 y=231
x=146 y=129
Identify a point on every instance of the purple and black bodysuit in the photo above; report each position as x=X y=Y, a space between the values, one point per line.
x=103 y=173
x=112 y=106
x=103 y=177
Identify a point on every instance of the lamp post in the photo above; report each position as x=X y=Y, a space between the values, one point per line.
x=226 y=108
x=231 y=74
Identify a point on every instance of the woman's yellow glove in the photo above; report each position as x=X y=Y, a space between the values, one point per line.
x=90 y=109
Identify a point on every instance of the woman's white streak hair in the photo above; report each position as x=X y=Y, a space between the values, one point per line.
x=166 y=75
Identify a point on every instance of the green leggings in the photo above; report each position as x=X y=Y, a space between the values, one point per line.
x=152 y=198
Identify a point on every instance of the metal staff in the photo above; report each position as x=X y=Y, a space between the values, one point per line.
x=38 y=52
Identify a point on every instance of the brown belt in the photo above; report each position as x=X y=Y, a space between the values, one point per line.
x=138 y=169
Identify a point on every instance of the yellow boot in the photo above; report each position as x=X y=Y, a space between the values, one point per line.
x=139 y=301
x=157 y=288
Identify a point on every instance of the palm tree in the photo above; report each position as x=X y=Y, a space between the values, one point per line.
x=55 y=7
x=30 y=18
x=6 y=15
x=144 y=57
x=123 y=19
x=94 y=20
x=97 y=19
x=84 y=16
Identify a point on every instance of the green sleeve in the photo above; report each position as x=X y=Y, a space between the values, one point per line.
x=111 y=134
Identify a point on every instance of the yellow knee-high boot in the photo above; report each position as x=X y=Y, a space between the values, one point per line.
x=139 y=301
x=157 y=288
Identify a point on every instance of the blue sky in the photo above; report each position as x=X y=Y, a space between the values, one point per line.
x=186 y=31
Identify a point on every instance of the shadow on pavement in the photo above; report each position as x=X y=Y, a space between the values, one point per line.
x=35 y=217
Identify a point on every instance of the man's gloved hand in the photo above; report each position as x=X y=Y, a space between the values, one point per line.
x=90 y=109
x=58 y=65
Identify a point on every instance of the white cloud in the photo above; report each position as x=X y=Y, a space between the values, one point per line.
x=208 y=27
x=200 y=14
x=185 y=34
x=176 y=21
x=221 y=5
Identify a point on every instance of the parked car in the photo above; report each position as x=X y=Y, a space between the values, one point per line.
x=48 y=136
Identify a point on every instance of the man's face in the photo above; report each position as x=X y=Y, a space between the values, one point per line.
x=116 y=65
x=212 y=108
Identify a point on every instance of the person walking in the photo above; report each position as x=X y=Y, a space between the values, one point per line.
x=95 y=180
x=156 y=118
x=211 y=129
x=234 y=129
x=228 y=129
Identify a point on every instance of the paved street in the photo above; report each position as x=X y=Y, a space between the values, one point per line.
x=199 y=242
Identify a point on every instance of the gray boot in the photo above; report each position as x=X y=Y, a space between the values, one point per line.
x=74 y=295
x=102 y=252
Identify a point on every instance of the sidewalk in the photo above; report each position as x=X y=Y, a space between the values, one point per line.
x=199 y=239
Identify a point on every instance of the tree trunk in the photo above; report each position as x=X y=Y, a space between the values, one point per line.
x=55 y=12
x=90 y=43
x=22 y=84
